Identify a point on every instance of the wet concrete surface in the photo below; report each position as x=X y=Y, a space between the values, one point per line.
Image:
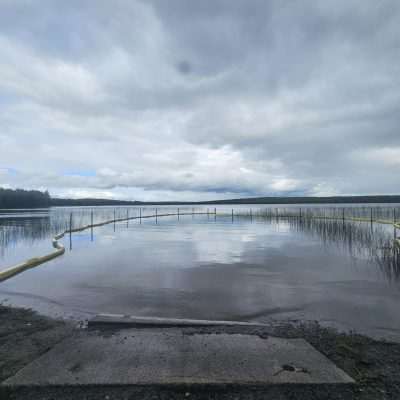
x=26 y=336
x=132 y=356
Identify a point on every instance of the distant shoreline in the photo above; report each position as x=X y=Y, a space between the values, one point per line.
x=389 y=199
x=20 y=199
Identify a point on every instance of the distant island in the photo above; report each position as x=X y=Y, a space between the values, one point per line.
x=19 y=198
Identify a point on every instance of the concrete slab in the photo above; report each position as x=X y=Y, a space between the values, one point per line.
x=159 y=357
x=132 y=321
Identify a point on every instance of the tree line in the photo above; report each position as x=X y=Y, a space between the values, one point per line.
x=20 y=198
x=312 y=200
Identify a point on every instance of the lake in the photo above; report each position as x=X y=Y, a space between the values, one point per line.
x=248 y=268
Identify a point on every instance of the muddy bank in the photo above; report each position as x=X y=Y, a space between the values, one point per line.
x=24 y=336
x=375 y=365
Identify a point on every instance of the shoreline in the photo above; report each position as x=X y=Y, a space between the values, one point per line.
x=374 y=364
x=80 y=316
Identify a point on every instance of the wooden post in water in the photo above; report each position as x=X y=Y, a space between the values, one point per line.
x=140 y=215
x=371 y=215
x=91 y=225
x=215 y=214
x=178 y=214
x=232 y=214
x=208 y=213
x=70 y=231
x=192 y=213
x=156 y=216
x=251 y=215
x=394 y=224
x=343 y=214
x=300 y=212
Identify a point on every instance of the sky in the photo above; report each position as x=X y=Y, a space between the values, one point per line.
x=199 y=100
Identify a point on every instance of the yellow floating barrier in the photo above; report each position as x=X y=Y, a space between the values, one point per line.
x=34 y=262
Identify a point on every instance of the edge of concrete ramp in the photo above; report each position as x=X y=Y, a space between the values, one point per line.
x=133 y=321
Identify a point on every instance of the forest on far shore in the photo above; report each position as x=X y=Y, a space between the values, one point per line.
x=20 y=198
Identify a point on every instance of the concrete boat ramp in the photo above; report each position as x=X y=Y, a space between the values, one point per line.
x=164 y=352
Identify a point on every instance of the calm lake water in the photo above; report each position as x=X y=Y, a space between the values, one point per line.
x=344 y=274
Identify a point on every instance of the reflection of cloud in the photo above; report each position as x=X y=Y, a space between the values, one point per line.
x=106 y=239
x=223 y=246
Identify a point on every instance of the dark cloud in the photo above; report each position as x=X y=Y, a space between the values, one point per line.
x=184 y=67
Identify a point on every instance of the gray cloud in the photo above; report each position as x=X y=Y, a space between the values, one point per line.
x=186 y=99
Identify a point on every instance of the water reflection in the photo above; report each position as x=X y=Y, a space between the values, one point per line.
x=254 y=267
x=26 y=228
x=30 y=226
x=389 y=262
x=371 y=241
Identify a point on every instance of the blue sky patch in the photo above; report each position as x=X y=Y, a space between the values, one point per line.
x=85 y=173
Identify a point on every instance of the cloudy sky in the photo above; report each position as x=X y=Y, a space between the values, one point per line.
x=180 y=99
